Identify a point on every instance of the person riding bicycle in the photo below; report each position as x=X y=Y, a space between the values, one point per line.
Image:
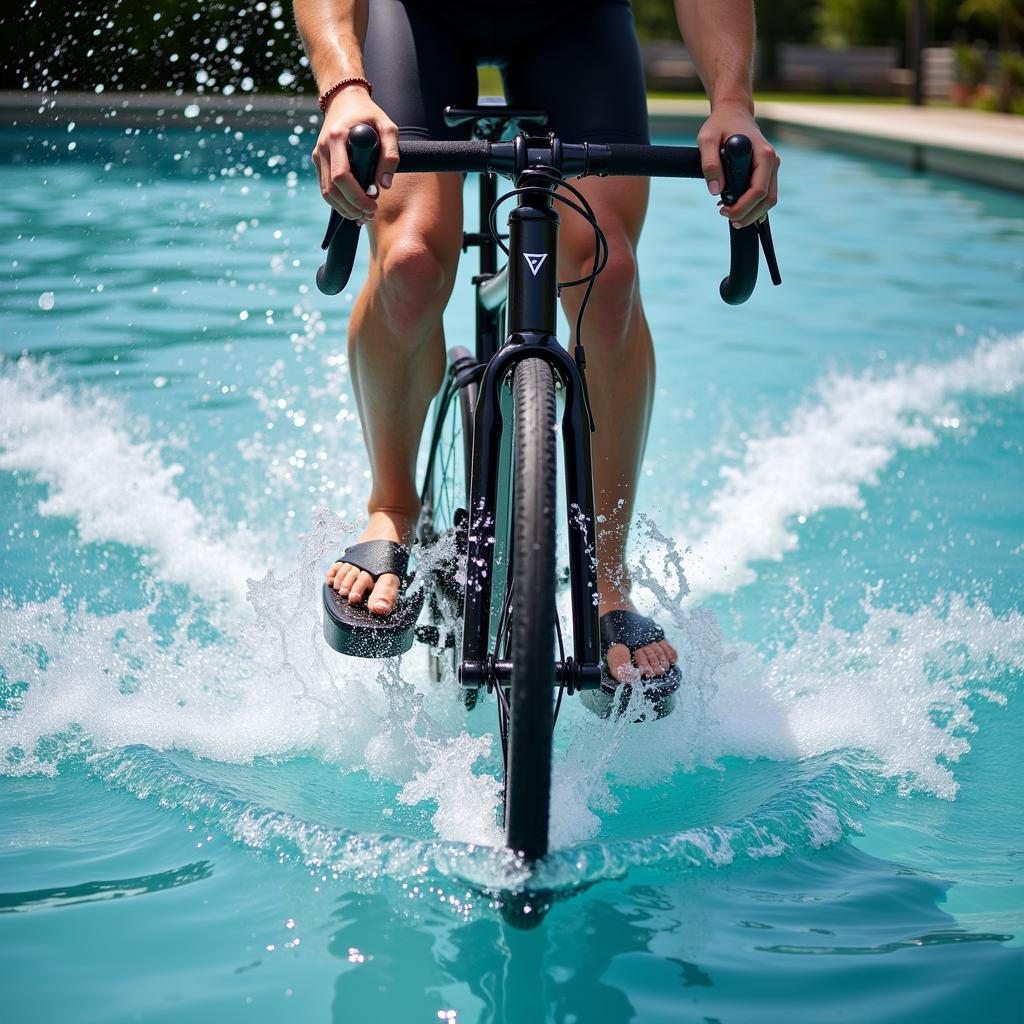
x=395 y=65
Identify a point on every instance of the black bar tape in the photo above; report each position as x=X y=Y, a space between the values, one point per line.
x=653 y=161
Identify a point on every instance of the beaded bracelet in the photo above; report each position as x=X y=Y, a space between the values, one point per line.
x=325 y=97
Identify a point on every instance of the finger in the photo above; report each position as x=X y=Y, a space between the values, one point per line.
x=746 y=203
x=344 y=181
x=345 y=208
x=709 y=144
x=754 y=216
x=331 y=196
x=338 y=202
x=773 y=188
x=388 y=162
x=340 y=196
x=765 y=165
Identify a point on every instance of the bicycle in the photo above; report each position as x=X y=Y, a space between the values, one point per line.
x=489 y=493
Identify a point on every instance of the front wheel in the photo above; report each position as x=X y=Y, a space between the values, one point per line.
x=532 y=626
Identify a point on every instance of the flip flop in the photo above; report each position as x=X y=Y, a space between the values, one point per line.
x=352 y=628
x=622 y=626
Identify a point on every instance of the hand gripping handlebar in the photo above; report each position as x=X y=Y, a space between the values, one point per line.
x=510 y=158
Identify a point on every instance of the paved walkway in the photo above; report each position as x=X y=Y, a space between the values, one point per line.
x=968 y=143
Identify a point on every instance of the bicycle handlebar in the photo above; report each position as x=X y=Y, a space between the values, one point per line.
x=517 y=155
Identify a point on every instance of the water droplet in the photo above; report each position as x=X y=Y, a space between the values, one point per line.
x=46 y=300
x=192 y=110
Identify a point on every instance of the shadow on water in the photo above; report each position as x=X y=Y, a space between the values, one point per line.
x=113 y=889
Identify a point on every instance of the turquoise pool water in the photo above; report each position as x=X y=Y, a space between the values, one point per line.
x=206 y=815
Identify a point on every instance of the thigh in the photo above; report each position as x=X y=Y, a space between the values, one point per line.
x=418 y=65
x=584 y=68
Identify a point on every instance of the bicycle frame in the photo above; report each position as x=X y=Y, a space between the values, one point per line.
x=526 y=289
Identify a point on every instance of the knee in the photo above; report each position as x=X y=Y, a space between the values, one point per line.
x=415 y=281
x=615 y=298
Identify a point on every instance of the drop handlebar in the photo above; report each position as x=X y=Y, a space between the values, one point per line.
x=516 y=156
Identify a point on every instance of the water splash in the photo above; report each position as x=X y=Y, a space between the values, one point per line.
x=836 y=443
x=842 y=711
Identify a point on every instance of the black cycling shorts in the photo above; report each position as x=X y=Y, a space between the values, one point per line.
x=577 y=59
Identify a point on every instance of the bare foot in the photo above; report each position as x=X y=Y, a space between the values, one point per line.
x=355 y=583
x=652 y=660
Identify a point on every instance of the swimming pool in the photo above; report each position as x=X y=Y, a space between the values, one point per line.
x=829 y=826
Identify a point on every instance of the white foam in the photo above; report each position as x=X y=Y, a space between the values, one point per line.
x=836 y=443
x=114 y=482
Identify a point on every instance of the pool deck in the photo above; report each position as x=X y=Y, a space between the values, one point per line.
x=971 y=144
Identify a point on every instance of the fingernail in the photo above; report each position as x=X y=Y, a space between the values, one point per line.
x=372 y=190
x=386 y=180
x=713 y=187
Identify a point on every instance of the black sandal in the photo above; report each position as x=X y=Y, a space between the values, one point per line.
x=622 y=626
x=352 y=628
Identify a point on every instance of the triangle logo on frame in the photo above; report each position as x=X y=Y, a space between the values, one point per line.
x=535 y=260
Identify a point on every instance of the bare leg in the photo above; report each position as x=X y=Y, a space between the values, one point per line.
x=396 y=356
x=620 y=378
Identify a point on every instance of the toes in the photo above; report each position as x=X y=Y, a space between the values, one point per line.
x=663 y=656
x=344 y=578
x=618 y=661
x=654 y=659
x=349 y=580
x=332 y=572
x=643 y=662
x=382 y=600
x=362 y=585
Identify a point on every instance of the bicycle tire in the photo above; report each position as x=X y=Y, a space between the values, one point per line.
x=450 y=467
x=531 y=692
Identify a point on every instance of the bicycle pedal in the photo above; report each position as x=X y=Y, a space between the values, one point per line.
x=429 y=635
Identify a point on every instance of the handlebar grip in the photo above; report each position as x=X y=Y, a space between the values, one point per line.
x=737 y=161
x=652 y=161
x=342 y=238
x=451 y=155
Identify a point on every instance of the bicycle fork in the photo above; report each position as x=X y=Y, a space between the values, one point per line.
x=531 y=313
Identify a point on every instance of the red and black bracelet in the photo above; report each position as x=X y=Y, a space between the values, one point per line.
x=325 y=97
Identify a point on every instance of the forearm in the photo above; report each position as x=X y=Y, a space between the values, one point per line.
x=332 y=32
x=719 y=35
